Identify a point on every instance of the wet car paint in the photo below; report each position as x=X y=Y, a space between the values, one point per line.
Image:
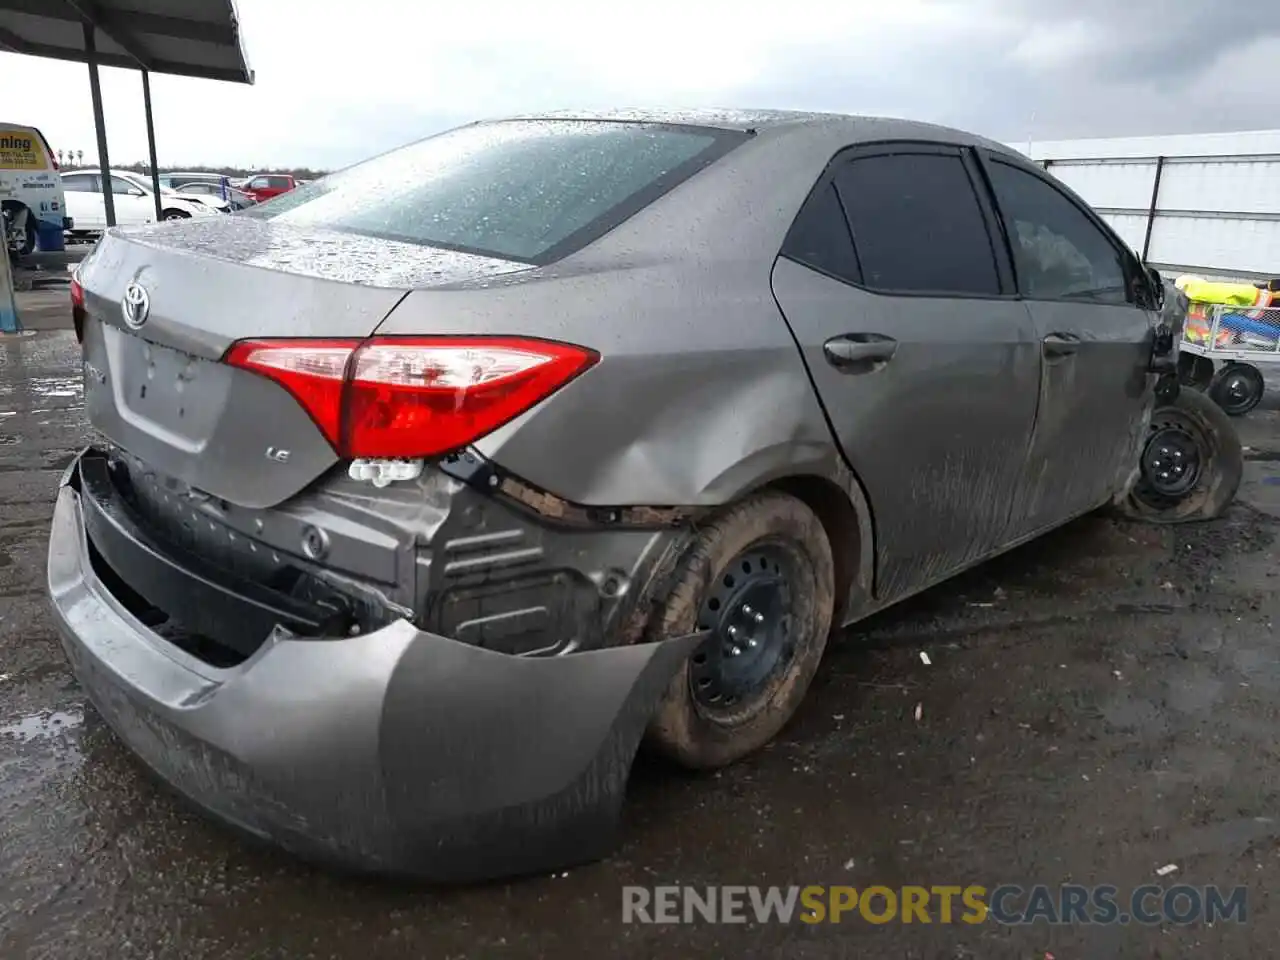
x=718 y=328
x=1021 y=703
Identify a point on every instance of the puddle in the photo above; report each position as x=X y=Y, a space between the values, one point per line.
x=43 y=726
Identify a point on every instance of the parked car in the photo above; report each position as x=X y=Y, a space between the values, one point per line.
x=143 y=181
x=235 y=199
x=268 y=185
x=32 y=206
x=424 y=499
x=133 y=201
x=177 y=179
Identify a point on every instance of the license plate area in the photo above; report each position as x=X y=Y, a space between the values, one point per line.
x=165 y=390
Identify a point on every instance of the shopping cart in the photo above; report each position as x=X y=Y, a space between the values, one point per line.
x=1227 y=345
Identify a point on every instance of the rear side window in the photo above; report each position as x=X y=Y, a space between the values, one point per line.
x=531 y=190
x=278 y=181
x=917 y=226
x=1058 y=251
x=820 y=237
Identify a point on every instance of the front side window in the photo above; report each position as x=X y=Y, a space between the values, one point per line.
x=528 y=190
x=258 y=183
x=1058 y=251
x=120 y=185
x=917 y=224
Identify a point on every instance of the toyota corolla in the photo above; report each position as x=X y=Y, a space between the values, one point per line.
x=427 y=492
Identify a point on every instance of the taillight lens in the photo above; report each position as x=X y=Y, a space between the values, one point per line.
x=413 y=396
x=77 y=309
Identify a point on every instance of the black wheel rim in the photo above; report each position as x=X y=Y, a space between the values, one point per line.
x=1238 y=390
x=1172 y=461
x=749 y=608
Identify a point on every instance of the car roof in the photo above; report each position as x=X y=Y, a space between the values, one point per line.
x=851 y=128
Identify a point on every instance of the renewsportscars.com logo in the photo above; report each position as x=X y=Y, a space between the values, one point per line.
x=1008 y=904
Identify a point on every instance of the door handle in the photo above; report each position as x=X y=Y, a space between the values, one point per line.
x=859 y=352
x=1060 y=345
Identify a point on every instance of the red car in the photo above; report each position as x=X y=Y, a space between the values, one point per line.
x=268 y=185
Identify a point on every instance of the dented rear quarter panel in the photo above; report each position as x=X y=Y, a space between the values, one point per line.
x=700 y=393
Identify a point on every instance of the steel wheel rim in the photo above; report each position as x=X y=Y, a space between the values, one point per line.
x=749 y=610
x=1172 y=462
x=1238 y=389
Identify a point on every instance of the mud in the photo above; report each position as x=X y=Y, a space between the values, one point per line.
x=1097 y=704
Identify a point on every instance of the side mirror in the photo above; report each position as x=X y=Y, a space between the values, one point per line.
x=135 y=192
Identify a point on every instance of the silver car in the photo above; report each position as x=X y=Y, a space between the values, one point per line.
x=430 y=490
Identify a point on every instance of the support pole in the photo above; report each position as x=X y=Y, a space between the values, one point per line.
x=1151 y=210
x=151 y=142
x=99 y=122
x=8 y=307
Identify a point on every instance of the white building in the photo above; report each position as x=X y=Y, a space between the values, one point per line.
x=1204 y=203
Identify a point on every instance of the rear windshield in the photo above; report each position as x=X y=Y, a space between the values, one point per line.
x=531 y=191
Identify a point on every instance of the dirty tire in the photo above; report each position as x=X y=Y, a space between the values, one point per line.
x=1221 y=463
x=176 y=215
x=28 y=243
x=1237 y=388
x=683 y=729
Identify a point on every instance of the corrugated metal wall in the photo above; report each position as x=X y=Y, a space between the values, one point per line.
x=1216 y=209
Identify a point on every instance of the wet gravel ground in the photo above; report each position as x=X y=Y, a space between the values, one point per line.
x=1098 y=704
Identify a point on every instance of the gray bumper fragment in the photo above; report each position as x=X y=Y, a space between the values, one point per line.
x=399 y=751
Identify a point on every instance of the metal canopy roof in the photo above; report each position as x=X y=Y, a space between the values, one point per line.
x=190 y=38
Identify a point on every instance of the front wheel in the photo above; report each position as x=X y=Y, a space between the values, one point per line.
x=1191 y=463
x=176 y=215
x=761 y=579
x=1237 y=388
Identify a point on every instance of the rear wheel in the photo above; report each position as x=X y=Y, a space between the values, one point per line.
x=20 y=232
x=1237 y=388
x=761 y=578
x=1191 y=463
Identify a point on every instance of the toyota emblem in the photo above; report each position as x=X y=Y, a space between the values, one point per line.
x=136 y=305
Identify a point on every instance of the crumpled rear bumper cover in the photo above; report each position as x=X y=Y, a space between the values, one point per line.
x=398 y=751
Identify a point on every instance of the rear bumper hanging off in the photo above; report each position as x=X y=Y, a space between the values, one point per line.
x=398 y=751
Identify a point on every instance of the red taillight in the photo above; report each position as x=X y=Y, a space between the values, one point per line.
x=77 y=309
x=413 y=396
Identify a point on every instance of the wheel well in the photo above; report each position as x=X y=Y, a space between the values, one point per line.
x=17 y=205
x=839 y=520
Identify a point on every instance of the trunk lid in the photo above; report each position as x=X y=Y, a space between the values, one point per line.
x=156 y=388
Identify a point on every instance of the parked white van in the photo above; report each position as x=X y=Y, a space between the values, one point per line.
x=31 y=194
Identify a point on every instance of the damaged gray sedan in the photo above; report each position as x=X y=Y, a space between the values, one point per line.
x=429 y=491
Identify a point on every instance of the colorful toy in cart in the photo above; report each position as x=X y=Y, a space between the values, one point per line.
x=1225 y=316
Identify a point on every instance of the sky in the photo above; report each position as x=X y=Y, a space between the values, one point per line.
x=338 y=82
